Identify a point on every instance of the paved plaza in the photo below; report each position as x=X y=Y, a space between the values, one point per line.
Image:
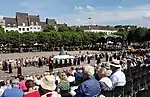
x=36 y=70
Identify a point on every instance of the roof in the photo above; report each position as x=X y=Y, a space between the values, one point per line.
x=51 y=21
x=22 y=18
x=35 y=19
x=10 y=22
x=97 y=27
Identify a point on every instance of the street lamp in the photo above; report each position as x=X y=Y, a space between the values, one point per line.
x=89 y=22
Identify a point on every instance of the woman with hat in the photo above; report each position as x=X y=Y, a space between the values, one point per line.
x=48 y=85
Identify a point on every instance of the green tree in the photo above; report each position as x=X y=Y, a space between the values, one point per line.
x=49 y=28
x=63 y=28
x=1 y=29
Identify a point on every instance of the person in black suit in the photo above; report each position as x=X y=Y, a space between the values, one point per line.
x=10 y=68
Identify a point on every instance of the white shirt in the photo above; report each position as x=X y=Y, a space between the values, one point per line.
x=71 y=78
x=118 y=78
x=106 y=83
x=2 y=89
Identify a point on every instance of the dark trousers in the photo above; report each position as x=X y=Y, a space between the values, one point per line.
x=118 y=91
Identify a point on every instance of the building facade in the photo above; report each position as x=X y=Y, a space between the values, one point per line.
x=23 y=22
x=96 y=28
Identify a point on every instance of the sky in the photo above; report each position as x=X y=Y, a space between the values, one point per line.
x=77 y=12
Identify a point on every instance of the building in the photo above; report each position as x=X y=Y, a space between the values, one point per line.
x=96 y=28
x=23 y=22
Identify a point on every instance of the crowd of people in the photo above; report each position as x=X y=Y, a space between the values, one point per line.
x=92 y=80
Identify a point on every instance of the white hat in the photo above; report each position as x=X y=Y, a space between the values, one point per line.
x=48 y=82
x=29 y=78
x=116 y=63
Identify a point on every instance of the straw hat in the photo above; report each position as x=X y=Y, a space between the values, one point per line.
x=116 y=63
x=48 y=83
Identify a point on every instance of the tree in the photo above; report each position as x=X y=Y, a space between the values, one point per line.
x=13 y=38
x=1 y=29
x=63 y=28
x=49 y=28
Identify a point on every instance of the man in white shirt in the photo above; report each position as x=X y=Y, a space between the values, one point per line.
x=118 y=78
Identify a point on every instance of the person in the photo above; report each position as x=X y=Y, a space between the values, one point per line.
x=64 y=85
x=10 y=68
x=19 y=70
x=78 y=76
x=90 y=87
x=15 y=91
x=105 y=82
x=8 y=84
x=48 y=86
x=2 y=87
x=30 y=91
x=22 y=85
x=118 y=78
x=71 y=78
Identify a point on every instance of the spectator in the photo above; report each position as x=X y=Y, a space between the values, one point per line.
x=8 y=84
x=78 y=76
x=64 y=85
x=90 y=87
x=118 y=77
x=30 y=91
x=105 y=82
x=15 y=91
x=71 y=78
x=2 y=88
x=49 y=86
x=22 y=85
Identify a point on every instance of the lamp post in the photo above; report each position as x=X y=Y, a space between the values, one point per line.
x=89 y=23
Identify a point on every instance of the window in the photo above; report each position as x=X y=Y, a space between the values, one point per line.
x=27 y=29
x=23 y=29
x=36 y=23
x=32 y=23
x=8 y=25
x=23 y=24
x=1 y=21
x=38 y=27
x=14 y=25
x=34 y=27
x=30 y=27
x=19 y=29
x=6 y=30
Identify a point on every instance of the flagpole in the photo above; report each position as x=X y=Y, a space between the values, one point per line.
x=89 y=23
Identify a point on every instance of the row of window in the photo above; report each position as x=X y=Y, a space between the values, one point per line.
x=23 y=24
x=23 y=29
x=27 y=29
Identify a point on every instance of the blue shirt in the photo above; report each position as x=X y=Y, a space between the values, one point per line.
x=89 y=88
x=14 y=92
x=78 y=75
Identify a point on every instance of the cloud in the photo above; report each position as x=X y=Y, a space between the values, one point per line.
x=90 y=8
x=84 y=8
x=78 y=8
x=135 y=14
